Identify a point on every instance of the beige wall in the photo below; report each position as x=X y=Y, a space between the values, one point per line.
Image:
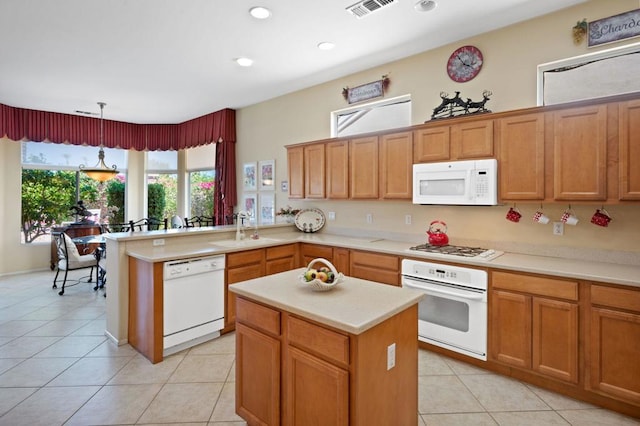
x=511 y=56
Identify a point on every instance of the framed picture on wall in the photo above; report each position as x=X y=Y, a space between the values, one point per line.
x=250 y=205
x=267 y=208
x=249 y=179
x=267 y=178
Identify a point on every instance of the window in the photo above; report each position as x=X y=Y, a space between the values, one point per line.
x=200 y=163
x=52 y=185
x=162 y=184
x=372 y=117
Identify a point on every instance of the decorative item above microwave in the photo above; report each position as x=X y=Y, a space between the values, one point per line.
x=469 y=183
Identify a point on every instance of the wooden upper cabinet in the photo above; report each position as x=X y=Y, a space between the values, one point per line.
x=473 y=139
x=520 y=145
x=314 y=171
x=629 y=148
x=432 y=144
x=396 y=166
x=338 y=169
x=363 y=167
x=295 y=171
x=580 y=153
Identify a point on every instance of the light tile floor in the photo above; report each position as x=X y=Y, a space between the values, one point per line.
x=57 y=368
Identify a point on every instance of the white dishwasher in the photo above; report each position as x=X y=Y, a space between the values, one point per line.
x=193 y=302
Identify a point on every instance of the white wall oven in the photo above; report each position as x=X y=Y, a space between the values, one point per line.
x=453 y=314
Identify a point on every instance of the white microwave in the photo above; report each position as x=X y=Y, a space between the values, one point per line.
x=467 y=183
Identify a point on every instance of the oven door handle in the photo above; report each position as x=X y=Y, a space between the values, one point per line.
x=407 y=282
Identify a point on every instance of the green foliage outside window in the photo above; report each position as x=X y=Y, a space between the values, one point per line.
x=202 y=189
x=47 y=197
x=156 y=200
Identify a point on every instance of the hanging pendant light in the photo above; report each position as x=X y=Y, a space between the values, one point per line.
x=100 y=172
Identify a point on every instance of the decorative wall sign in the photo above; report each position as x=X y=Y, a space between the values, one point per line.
x=614 y=28
x=372 y=90
x=451 y=107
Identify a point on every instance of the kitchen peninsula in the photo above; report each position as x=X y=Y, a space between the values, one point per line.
x=336 y=357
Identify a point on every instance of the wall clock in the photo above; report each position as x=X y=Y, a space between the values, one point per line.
x=464 y=63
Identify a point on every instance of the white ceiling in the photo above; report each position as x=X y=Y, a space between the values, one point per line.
x=168 y=61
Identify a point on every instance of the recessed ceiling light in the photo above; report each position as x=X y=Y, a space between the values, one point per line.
x=260 y=12
x=425 y=5
x=326 y=45
x=244 y=62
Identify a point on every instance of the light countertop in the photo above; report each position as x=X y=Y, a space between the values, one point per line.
x=336 y=308
x=624 y=274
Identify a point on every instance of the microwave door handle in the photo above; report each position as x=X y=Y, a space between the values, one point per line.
x=407 y=283
x=470 y=185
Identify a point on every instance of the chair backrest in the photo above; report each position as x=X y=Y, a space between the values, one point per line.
x=119 y=227
x=176 y=222
x=67 y=250
x=154 y=224
x=200 y=221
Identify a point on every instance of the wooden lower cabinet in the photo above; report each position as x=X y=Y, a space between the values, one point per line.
x=258 y=353
x=326 y=402
x=308 y=252
x=293 y=371
x=614 y=343
x=531 y=328
x=383 y=268
x=281 y=258
x=241 y=266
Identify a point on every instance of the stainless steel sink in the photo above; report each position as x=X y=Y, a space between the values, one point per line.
x=247 y=242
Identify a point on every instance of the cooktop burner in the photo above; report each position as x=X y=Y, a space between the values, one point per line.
x=472 y=252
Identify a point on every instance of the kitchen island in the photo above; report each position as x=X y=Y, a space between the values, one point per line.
x=343 y=357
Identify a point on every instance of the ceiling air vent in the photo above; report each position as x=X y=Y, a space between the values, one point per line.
x=363 y=8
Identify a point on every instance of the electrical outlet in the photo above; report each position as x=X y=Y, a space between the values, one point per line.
x=332 y=215
x=391 y=356
x=407 y=219
x=369 y=218
x=158 y=242
x=558 y=228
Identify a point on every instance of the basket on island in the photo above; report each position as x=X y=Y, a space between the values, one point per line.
x=321 y=275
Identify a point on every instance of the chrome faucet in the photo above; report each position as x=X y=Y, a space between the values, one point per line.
x=239 y=228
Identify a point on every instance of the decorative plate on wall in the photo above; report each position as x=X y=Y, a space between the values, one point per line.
x=310 y=220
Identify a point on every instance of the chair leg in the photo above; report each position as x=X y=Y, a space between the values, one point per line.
x=64 y=281
x=55 y=278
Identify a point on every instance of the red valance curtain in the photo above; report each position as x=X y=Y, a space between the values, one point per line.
x=19 y=123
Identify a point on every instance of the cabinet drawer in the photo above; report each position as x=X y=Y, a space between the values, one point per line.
x=245 y=258
x=535 y=285
x=319 y=340
x=281 y=251
x=258 y=316
x=615 y=297
x=313 y=251
x=378 y=261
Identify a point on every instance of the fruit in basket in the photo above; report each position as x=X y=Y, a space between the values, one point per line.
x=330 y=277
x=322 y=276
x=311 y=274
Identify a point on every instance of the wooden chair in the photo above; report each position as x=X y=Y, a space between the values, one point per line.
x=69 y=259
